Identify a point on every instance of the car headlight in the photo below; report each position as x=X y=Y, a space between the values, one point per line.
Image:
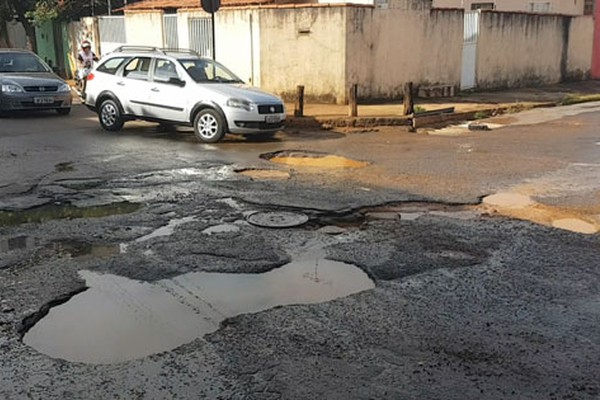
x=239 y=103
x=10 y=88
x=64 y=88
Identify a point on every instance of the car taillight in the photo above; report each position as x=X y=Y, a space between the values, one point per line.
x=90 y=77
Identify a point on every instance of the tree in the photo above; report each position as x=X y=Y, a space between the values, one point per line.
x=35 y=12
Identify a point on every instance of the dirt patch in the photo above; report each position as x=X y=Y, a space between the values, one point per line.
x=264 y=174
x=301 y=158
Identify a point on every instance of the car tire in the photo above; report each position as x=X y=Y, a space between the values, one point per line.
x=63 y=111
x=209 y=126
x=109 y=115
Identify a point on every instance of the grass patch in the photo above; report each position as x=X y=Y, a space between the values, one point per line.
x=576 y=99
x=419 y=109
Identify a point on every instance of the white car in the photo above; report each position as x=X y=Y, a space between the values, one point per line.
x=179 y=87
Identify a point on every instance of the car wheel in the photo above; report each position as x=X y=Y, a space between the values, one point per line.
x=209 y=126
x=63 y=111
x=110 y=116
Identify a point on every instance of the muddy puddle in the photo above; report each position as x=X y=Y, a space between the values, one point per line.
x=300 y=158
x=267 y=174
x=52 y=212
x=522 y=206
x=119 y=319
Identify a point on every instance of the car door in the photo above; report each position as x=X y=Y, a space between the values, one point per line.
x=168 y=100
x=134 y=86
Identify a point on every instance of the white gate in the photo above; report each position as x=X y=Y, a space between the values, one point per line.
x=170 y=33
x=112 y=33
x=468 y=78
x=201 y=35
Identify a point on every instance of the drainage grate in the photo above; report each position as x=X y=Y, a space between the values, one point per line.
x=277 y=219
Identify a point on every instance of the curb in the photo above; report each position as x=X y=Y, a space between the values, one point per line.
x=414 y=121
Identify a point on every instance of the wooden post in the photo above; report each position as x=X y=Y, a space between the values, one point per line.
x=352 y=101
x=299 y=106
x=409 y=105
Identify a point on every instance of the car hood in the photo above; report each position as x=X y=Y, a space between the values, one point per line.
x=242 y=91
x=31 y=78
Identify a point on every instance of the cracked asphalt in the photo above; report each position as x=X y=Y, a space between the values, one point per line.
x=469 y=302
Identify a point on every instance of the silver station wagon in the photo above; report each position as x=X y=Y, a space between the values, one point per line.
x=28 y=84
x=179 y=87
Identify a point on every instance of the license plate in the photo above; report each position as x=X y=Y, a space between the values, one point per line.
x=271 y=119
x=43 y=100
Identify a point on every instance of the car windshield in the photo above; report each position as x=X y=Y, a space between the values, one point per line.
x=21 y=62
x=209 y=71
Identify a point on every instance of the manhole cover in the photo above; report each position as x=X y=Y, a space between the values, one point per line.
x=277 y=219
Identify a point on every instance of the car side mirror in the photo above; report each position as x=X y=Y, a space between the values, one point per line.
x=176 y=81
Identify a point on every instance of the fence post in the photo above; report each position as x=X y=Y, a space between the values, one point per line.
x=409 y=105
x=299 y=106
x=352 y=101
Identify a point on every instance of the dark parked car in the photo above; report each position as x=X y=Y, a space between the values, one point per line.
x=27 y=83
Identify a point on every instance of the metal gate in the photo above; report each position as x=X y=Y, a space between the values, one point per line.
x=112 y=33
x=468 y=78
x=201 y=35
x=171 y=36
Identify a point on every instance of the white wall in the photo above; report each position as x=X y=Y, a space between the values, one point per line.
x=144 y=28
x=569 y=7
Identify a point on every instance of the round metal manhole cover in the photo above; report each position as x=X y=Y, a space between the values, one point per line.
x=277 y=219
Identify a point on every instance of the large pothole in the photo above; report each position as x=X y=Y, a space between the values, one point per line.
x=62 y=211
x=119 y=319
x=304 y=158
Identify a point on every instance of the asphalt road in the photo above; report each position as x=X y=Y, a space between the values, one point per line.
x=451 y=299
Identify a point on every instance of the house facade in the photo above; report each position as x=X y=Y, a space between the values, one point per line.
x=566 y=7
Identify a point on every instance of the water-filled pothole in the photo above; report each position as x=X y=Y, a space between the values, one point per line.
x=255 y=173
x=304 y=158
x=62 y=211
x=119 y=319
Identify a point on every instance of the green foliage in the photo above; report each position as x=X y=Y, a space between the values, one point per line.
x=419 y=109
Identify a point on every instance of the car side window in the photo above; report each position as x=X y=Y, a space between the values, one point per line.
x=112 y=65
x=164 y=70
x=137 y=68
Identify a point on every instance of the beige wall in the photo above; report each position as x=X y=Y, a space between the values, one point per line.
x=570 y=7
x=304 y=46
x=581 y=43
x=237 y=34
x=528 y=49
x=144 y=28
x=387 y=48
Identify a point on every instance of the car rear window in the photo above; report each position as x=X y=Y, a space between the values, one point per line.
x=21 y=62
x=112 y=65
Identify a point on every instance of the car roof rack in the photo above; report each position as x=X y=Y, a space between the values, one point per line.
x=125 y=48
x=152 y=49
x=183 y=51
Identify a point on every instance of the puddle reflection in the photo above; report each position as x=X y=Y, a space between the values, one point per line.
x=120 y=319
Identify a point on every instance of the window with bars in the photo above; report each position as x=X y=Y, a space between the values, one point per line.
x=483 y=6
x=539 y=7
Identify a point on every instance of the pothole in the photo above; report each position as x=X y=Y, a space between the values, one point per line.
x=62 y=211
x=277 y=219
x=223 y=228
x=263 y=173
x=520 y=206
x=119 y=319
x=574 y=225
x=302 y=158
x=16 y=243
x=83 y=250
x=508 y=200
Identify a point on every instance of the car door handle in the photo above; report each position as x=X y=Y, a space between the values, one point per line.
x=121 y=83
x=155 y=89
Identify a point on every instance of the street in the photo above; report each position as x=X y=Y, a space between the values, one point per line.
x=319 y=264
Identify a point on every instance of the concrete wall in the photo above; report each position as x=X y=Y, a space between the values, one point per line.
x=596 y=51
x=144 y=27
x=387 y=48
x=520 y=49
x=304 y=46
x=570 y=7
x=237 y=35
x=581 y=42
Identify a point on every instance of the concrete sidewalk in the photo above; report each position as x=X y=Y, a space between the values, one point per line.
x=466 y=106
